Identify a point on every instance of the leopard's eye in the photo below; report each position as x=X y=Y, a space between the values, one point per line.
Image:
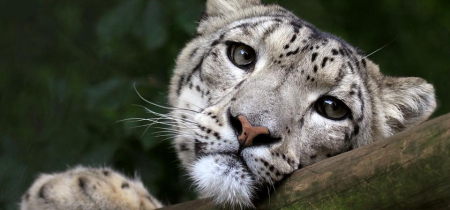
x=242 y=55
x=332 y=108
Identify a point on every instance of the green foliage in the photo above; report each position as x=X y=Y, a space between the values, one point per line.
x=67 y=71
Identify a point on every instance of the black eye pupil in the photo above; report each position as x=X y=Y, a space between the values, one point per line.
x=333 y=105
x=246 y=55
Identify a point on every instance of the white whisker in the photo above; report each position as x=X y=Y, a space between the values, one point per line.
x=378 y=49
x=160 y=106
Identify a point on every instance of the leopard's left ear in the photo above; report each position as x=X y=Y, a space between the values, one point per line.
x=219 y=7
x=407 y=101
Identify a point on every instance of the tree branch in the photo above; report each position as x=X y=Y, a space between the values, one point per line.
x=410 y=170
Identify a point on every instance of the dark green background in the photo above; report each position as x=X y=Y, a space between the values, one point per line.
x=67 y=70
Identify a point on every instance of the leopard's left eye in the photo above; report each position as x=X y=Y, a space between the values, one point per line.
x=241 y=55
x=332 y=108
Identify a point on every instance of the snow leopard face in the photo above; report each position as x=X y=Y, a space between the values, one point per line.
x=260 y=93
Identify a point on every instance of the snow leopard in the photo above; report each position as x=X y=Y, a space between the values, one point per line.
x=257 y=94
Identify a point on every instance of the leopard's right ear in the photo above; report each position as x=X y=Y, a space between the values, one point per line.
x=405 y=101
x=220 y=7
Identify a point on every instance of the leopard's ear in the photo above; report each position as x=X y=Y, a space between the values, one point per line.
x=407 y=101
x=219 y=7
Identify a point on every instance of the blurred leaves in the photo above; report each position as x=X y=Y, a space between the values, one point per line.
x=67 y=71
x=141 y=18
x=108 y=94
x=151 y=28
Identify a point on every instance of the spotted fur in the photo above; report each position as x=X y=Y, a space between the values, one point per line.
x=296 y=64
x=88 y=188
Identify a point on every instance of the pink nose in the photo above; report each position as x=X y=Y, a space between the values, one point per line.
x=249 y=132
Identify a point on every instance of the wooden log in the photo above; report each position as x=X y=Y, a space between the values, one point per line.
x=410 y=170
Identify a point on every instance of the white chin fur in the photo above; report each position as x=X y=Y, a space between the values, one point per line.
x=224 y=179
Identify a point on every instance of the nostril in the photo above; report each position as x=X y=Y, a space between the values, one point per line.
x=235 y=123
x=264 y=139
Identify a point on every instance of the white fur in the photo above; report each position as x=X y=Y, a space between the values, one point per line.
x=217 y=180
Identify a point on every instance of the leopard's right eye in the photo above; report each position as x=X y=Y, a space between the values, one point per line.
x=332 y=108
x=241 y=55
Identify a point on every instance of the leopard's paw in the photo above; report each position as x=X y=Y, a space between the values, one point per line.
x=88 y=188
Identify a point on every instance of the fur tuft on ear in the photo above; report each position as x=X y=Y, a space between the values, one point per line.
x=407 y=101
x=219 y=7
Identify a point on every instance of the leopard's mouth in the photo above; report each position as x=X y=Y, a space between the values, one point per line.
x=238 y=156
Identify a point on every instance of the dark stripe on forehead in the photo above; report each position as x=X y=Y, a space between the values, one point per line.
x=271 y=30
x=249 y=24
x=218 y=40
x=276 y=18
x=244 y=26
x=266 y=33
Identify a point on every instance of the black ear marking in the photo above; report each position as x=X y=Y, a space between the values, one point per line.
x=82 y=182
x=125 y=185
x=27 y=196
x=42 y=191
x=297 y=26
